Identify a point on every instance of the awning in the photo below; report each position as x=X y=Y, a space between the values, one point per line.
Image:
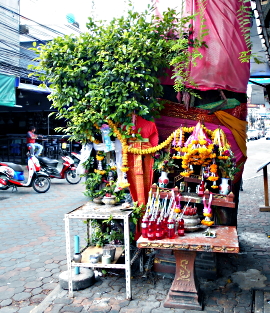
x=7 y=90
x=260 y=80
x=34 y=88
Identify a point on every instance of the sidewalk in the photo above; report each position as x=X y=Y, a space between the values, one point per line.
x=32 y=254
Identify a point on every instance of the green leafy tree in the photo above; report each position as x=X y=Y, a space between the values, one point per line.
x=111 y=71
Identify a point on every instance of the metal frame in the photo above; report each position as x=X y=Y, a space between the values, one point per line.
x=95 y=211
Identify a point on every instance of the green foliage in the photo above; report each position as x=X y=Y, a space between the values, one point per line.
x=163 y=162
x=112 y=70
x=244 y=15
x=186 y=49
x=92 y=183
x=106 y=232
x=228 y=167
x=89 y=165
x=137 y=212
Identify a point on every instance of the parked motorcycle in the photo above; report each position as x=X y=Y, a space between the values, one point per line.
x=12 y=175
x=68 y=171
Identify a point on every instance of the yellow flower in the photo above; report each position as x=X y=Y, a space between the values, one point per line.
x=207 y=214
x=101 y=172
x=212 y=178
x=124 y=185
x=99 y=158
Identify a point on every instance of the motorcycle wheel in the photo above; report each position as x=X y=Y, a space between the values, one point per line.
x=72 y=177
x=41 y=184
x=3 y=187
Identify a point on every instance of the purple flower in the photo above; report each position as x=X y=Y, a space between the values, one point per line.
x=157 y=155
x=166 y=161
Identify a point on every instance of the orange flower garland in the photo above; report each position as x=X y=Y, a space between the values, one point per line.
x=197 y=157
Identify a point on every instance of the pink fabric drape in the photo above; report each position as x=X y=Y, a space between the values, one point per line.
x=220 y=67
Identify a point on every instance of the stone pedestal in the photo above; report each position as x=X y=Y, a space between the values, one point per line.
x=183 y=293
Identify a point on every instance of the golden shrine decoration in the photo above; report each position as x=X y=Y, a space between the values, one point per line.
x=197 y=151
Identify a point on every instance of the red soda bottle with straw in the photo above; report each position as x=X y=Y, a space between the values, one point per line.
x=151 y=232
x=159 y=230
x=144 y=225
x=181 y=230
x=170 y=228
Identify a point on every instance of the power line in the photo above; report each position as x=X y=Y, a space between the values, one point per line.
x=15 y=56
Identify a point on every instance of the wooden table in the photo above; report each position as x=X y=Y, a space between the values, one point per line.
x=184 y=292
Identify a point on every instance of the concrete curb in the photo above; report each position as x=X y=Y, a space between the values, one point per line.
x=58 y=292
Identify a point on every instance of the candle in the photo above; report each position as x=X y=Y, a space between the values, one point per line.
x=77 y=250
x=76 y=244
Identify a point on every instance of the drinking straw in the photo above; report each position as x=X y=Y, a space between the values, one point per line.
x=181 y=216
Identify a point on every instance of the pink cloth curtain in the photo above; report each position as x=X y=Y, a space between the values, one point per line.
x=220 y=67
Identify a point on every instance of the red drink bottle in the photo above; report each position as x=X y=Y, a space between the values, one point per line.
x=144 y=226
x=159 y=230
x=181 y=230
x=151 y=233
x=170 y=228
x=201 y=189
x=164 y=226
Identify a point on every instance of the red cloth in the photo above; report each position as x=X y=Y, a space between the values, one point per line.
x=148 y=130
x=140 y=174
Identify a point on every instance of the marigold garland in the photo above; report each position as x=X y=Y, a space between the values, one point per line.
x=128 y=149
x=207 y=223
x=212 y=178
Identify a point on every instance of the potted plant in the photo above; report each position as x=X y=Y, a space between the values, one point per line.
x=106 y=232
x=113 y=193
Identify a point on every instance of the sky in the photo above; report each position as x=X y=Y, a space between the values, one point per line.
x=54 y=12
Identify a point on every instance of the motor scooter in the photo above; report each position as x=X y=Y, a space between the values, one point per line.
x=12 y=175
x=68 y=171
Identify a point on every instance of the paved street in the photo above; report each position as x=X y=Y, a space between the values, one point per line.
x=32 y=250
x=32 y=254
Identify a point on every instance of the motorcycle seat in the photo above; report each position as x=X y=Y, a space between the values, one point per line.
x=47 y=160
x=15 y=167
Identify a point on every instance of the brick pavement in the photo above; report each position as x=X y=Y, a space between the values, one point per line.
x=32 y=254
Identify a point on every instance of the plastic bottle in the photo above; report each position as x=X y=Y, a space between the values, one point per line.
x=201 y=189
x=144 y=225
x=164 y=225
x=170 y=228
x=151 y=232
x=181 y=230
x=159 y=230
